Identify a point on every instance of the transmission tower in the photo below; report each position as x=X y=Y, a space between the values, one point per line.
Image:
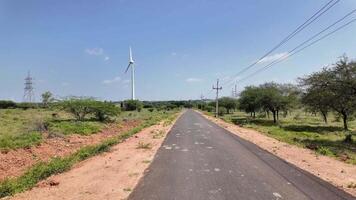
x=29 y=94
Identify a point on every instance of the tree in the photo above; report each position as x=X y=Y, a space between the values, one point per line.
x=228 y=102
x=82 y=107
x=337 y=88
x=275 y=98
x=47 y=97
x=249 y=100
x=317 y=100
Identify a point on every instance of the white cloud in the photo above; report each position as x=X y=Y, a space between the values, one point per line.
x=193 y=80
x=173 y=54
x=110 y=81
x=95 y=51
x=273 y=57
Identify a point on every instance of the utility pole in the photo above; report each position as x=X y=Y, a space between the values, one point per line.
x=217 y=88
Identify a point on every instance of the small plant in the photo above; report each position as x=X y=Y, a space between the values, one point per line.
x=324 y=151
x=142 y=145
x=127 y=189
x=158 y=135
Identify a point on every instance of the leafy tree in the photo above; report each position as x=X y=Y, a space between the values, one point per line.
x=228 y=103
x=317 y=100
x=47 y=97
x=275 y=98
x=249 y=100
x=339 y=83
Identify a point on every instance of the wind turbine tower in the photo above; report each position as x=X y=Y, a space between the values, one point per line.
x=132 y=65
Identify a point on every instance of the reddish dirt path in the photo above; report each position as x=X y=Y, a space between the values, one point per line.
x=338 y=173
x=112 y=175
x=15 y=162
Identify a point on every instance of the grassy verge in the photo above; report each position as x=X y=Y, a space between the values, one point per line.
x=8 y=142
x=75 y=127
x=43 y=170
x=304 y=131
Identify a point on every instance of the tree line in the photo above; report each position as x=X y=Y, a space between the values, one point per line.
x=331 y=90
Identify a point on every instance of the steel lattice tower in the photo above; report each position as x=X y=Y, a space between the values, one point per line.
x=29 y=94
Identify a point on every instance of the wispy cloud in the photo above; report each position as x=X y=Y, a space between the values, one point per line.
x=94 y=51
x=273 y=57
x=97 y=52
x=193 y=80
x=173 y=53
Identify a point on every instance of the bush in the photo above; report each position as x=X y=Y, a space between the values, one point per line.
x=7 y=104
x=222 y=111
x=131 y=105
x=104 y=110
x=26 y=106
x=80 y=108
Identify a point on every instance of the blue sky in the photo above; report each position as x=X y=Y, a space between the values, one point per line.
x=181 y=47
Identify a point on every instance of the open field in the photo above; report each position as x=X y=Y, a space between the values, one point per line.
x=54 y=154
x=303 y=130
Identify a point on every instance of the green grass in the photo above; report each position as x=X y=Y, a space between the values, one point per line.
x=8 y=142
x=22 y=128
x=75 y=127
x=306 y=131
x=43 y=170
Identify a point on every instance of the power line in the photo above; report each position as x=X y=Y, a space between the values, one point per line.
x=301 y=27
x=309 y=21
x=297 y=51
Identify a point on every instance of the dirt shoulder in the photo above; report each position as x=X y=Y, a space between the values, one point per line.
x=340 y=174
x=111 y=175
x=14 y=163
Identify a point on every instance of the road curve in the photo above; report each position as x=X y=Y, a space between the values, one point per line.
x=201 y=161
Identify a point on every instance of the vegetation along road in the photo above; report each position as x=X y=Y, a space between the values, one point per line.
x=200 y=160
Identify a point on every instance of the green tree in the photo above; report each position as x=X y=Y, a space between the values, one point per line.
x=339 y=85
x=228 y=103
x=275 y=98
x=47 y=97
x=249 y=100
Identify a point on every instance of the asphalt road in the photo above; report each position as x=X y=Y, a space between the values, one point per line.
x=200 y=161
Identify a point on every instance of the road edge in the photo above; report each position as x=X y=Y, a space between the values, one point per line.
x=298 y=161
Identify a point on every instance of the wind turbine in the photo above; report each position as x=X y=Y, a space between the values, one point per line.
x=131 y=64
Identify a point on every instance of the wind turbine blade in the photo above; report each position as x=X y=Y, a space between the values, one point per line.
x=130 y=55
x=127 y=67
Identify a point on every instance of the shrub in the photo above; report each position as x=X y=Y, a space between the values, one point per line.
x=222 y=111
x=104 y=110
x=26 y=106
x=7 y=104
x=80 y=108
x=131 y=105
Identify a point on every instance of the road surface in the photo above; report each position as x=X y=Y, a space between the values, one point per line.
x=201 y=161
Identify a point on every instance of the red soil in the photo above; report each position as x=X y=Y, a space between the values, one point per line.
x=15 y=162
